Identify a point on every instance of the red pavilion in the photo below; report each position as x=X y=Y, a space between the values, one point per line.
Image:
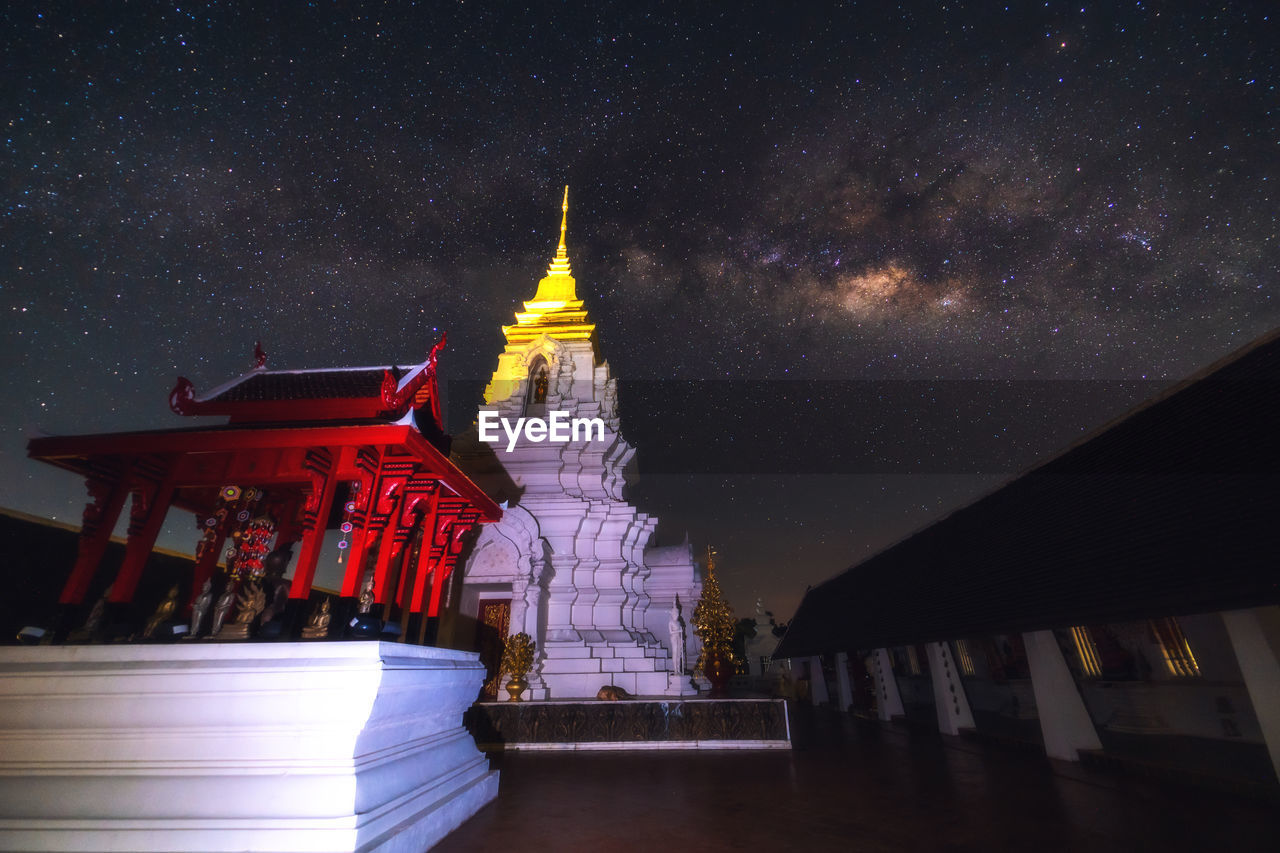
x=363 y=448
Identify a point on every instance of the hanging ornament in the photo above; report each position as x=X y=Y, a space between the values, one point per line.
x=348 y=511
x=212 y=525
x=208 y=528
x=251 y=539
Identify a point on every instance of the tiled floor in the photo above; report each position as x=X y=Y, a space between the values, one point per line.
x=849 y=786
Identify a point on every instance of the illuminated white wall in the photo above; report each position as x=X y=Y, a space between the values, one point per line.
x=224 y=746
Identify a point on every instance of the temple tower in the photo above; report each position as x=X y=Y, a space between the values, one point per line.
x=572 y=550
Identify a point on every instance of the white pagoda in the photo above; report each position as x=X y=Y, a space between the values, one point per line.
x=570 y=552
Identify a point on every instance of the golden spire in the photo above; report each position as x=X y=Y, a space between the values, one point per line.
x=564 y=219
x=559 y=268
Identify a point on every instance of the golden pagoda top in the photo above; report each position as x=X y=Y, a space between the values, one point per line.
x=555 y=310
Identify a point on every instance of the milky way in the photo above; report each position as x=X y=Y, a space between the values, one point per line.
x=828 y=196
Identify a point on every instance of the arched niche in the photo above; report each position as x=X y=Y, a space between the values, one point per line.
x=539 y=384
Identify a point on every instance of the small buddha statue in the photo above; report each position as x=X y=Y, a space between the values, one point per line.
x=200 y=607
x=278 y=598
x=318 y=625
x=163 y=613
x=249 y=603
x=365 y=624
x=222 y=608
x=93 y=624
x=540 y=385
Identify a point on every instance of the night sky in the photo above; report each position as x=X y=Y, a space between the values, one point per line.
x=932 y=236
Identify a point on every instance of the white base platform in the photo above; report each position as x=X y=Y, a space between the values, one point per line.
x=222 y=746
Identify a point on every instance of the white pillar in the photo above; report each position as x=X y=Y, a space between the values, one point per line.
x=845 y=695
x=948 y=693
x=817 y=682
x=525 y=612
x=888 y=698
x=1064 y=720
x=519 y=608
x=561 y=595
x=1255 y=637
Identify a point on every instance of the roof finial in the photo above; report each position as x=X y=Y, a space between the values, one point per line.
x=561 y=251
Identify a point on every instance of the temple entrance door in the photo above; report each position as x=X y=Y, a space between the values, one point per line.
x=492 y=623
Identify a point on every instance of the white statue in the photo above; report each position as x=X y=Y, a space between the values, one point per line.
x=676 y=633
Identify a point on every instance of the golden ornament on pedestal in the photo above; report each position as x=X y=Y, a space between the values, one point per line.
x=515 y=687
x=517 y=659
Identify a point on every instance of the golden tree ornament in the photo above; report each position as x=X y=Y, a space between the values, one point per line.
x=517 y=655
x=517 y=659
x=714 y=625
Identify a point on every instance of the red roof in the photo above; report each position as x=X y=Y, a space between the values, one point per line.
x=333 y=394
x=274 y=385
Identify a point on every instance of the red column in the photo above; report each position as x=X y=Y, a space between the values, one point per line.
x=360 y=538
x=385 y=503
x=107 y=493
x=404 y=555
x=368 y=532
x=425 y=562
x=438 y=574
x=367 y=461
x=439 y=539
x=386 y=547
x=150 y=506
x=448 y=559
x=419 y=498
x=289 y=525
x=315 y=514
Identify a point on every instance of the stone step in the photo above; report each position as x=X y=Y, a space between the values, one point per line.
x=576 y=665
x=651 y=683
x=640 y=665
x=567 y=650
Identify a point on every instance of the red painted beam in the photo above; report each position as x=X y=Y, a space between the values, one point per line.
x=99 y=521
x=425 y=569
x=313 y=536
x=142 y=540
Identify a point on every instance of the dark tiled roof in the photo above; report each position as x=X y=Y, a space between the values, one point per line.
x=279 y=385
x=1170 y=510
